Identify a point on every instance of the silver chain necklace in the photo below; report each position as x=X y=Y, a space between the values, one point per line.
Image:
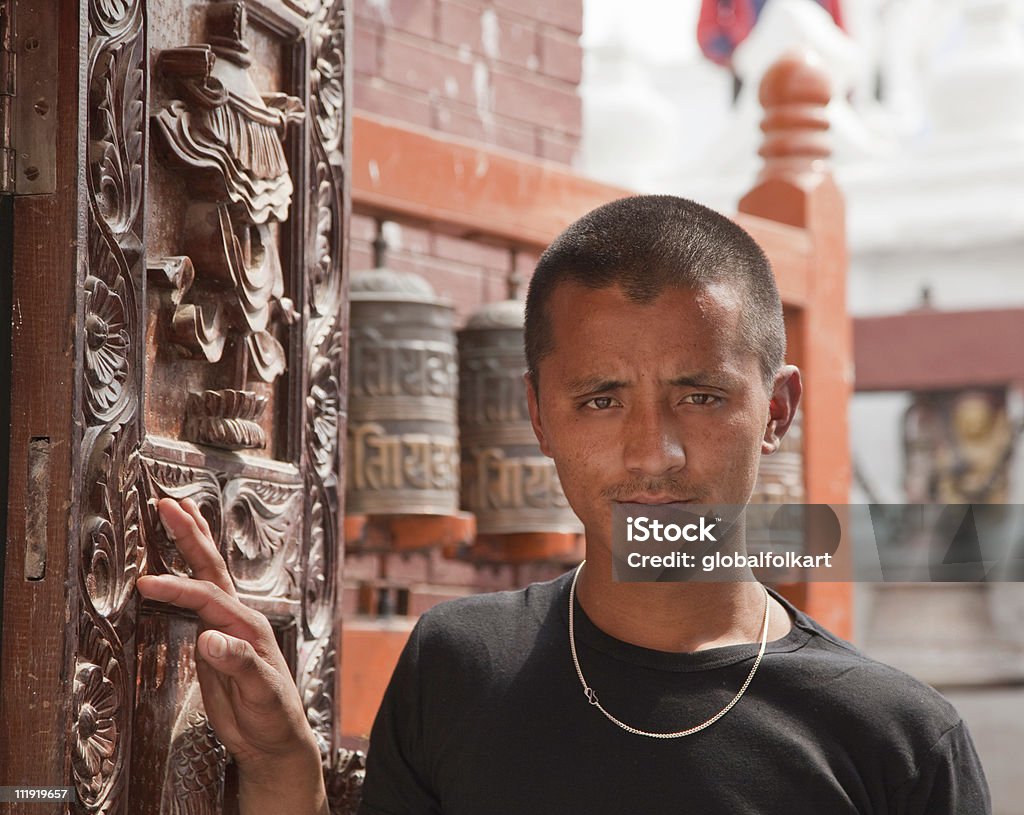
x=591 y=694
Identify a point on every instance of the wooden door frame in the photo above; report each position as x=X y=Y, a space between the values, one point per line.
x=6 y=281
x=39 y=627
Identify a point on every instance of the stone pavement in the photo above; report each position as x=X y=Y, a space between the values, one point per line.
x=995 y=717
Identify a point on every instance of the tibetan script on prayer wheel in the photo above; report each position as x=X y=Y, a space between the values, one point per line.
x=403 y=452
x=506 y=481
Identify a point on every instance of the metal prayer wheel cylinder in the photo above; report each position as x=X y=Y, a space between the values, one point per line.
x=403 y=451
x=507 y=482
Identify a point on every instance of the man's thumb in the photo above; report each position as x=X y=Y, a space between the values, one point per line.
x=256 y=680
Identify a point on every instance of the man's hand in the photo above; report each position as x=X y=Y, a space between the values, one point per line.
x=248 y=691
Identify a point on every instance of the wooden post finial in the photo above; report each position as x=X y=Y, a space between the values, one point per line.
x=795 y=188
x=794 y=93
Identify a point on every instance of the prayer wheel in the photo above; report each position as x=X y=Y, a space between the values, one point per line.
x=403 y=452
x=509 y=485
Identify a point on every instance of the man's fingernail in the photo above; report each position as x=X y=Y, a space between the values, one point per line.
x=217 y=646
x=152 y=587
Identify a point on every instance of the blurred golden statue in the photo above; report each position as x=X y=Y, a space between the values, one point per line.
x=957 y=448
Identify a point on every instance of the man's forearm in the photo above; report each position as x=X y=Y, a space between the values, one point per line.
x=285 y=799
x=288 y=788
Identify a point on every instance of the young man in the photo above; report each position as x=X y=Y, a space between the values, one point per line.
x=655 y=349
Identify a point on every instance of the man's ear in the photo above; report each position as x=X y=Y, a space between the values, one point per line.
x=785 y=397
x=533 y=404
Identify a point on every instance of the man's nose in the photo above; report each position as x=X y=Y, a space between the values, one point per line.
x=653 y=443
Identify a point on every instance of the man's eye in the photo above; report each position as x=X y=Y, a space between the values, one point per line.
x=702 y=399
x=600 y=402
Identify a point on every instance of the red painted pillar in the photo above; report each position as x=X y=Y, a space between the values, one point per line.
x=795 y=187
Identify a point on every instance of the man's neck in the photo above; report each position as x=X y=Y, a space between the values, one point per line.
x=676 y=617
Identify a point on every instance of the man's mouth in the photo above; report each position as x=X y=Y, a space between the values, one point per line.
x=653 y=499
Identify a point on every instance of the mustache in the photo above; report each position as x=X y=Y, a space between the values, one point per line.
x=674 y=488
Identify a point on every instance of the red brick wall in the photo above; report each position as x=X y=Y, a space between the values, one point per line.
x=427 y=577
x=469 y=273
x=503 y=72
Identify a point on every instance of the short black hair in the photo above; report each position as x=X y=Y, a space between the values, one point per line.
x=646 y=243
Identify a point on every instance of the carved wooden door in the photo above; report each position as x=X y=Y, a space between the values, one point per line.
x=184 y=308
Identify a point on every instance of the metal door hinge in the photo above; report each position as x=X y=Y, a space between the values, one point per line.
x=6 y=96
x=28 y=96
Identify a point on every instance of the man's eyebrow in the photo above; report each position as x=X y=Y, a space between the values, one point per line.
x=698 y=380
x=591 y=384
x=594 y=384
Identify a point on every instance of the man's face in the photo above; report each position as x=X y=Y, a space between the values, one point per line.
x=652 y=403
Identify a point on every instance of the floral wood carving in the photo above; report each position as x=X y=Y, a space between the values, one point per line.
x=325 y=294
x=345 y=781
x=325 y=399
x=303 y=7
x=323 y=406
x=117 y=96
x=316 y=686
x=99 y=728
x=165 y=480
x=110 y=316
x=107 y=519
x=322 y=436
x=318 y=586
x=226 y=418
x=262 y=525
x=112 y=551
x=114 y=19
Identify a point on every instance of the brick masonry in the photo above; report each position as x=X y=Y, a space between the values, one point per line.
x=415 y=581
x=503 y=73
x=466 y=272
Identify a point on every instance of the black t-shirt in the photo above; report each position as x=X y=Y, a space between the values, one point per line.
x=485 y=714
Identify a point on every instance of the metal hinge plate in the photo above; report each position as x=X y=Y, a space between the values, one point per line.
x=6 y=96
x=28 y=96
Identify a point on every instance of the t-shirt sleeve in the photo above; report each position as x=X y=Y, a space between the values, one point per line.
x=950 y=780
x=396 y=782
